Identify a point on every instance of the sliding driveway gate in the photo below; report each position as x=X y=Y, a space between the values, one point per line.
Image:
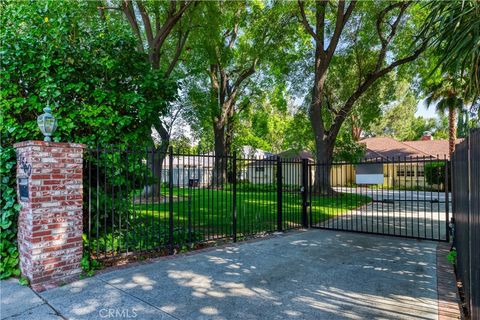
x=397 y=197
x=146 y=200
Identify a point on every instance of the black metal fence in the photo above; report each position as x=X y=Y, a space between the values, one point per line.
x=146 y=201
x=466 y=214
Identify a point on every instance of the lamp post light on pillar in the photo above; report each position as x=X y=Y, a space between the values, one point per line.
x=47 y=123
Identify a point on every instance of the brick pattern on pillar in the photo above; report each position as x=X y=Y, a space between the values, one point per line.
x=50 y=221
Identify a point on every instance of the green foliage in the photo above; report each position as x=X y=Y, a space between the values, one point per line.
x=135 y=238
x=266 y=125
x=229 y=71
x=23 y=281
x=101 y=89
x=454 y=28
x=406 y=127
x=256 y=187
x=452 y=257
x=88 y=265
x=347 y=149
x=435 y=172
x=8 y=219
x=441 y=128
x=298 y=132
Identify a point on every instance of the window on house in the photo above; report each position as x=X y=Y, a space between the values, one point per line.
x=400 y=173
x=420 y=172
x=259 y=169
x=410 y=173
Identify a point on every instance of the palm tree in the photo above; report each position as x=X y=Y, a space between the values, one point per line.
x=447 y=99
x=454 y=30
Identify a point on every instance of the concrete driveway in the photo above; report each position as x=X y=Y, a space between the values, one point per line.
x=315 y=274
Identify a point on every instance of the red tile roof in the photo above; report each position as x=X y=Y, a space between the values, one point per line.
x=385 y=147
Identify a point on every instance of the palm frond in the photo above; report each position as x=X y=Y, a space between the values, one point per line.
x=454 y=27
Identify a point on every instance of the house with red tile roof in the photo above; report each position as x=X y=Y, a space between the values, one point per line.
x=385 y=148
x=391 y=153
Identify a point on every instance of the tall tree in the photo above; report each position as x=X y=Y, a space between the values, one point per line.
x=447 y=98
x=452 y=83
x=387 y=26
x=161 y=34
x=230 y=47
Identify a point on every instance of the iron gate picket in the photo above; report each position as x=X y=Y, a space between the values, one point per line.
x=396 y=197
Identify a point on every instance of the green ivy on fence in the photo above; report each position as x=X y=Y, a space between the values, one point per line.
x=10 y=209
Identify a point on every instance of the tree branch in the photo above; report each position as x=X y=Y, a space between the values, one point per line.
x=233 y=36
x=127 y=8
x=101 y=10
x=146 y=22
x=245 y=74
x=371 y=78
x=341 y=20
x=304 y=21
x=328 y=102
x=172 y=18
x=182 y=39
x=393 y=29
x=321 y=7
x=108 y=8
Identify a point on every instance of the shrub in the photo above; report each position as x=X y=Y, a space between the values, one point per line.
x=435 y=172
x=92 y=75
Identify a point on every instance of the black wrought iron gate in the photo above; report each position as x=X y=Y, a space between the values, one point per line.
x=146 y=200
x=397 y=197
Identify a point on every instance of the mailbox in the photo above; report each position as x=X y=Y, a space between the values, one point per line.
x=23 y=188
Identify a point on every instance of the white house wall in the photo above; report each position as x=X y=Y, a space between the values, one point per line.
x=182 y=176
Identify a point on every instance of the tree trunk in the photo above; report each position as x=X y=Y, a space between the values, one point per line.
x=323 y=145
x=228 y=149
x=229 y=136
x=155 y=161
x=324 y=155
x=220 y=162
x=452 y=129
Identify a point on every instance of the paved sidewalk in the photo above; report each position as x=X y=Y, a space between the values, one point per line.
x=315 y=274
x=20 y=302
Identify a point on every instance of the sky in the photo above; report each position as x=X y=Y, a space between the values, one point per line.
x=422 y=110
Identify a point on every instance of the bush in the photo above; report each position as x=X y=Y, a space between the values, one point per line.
x=452 y=257
x=8 y=218
x=90 y=72
x=435 y=172
x=256 y=187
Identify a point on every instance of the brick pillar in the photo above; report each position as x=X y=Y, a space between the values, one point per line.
x=50 y=190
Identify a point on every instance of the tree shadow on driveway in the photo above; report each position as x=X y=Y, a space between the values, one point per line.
x=316 y=274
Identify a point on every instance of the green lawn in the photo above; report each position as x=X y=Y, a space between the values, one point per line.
x=207 y=214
